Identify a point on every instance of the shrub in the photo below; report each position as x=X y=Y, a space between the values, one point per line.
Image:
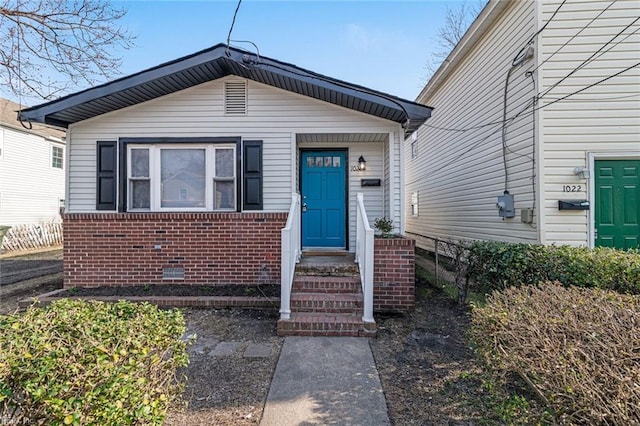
x=497 y=265
x=576 y=349
x=384 y=225
x=84 y=363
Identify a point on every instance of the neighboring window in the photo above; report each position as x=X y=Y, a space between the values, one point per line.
x=414 y=204
x=57 y=155
x=182 y=177
x=414 y=144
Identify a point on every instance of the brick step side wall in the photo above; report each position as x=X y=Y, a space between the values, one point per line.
x=394 y=274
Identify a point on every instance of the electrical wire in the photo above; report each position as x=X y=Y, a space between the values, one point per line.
x=519 y=59
x=596 y=100
x=504 y=129
x=574 y=36
x=522 y=53
x=593 y=56
x=540 y=94
x=233 y=22
x=510 y=120
x=249 y=42
x=589 y=86
x=533 y=149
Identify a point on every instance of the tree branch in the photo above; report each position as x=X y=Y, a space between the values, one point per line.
x=60 y=43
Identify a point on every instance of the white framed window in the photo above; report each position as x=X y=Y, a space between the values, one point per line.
x=57 y=157
x=414 y=145
x=181 y=177
x=414 y=204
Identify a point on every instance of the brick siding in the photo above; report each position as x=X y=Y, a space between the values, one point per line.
x=117 y=249
x=394 y=274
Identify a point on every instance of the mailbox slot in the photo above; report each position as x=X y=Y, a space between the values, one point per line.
x=369 y=182
x=573 y=205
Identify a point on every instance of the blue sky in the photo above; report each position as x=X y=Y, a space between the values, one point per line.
x=383 y=45
x=380 y=44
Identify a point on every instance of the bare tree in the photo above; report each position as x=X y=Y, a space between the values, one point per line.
x=50 y=46
x=456 y=23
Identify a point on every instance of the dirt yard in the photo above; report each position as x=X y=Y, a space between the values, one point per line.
x=424 y=360
x=28 y=275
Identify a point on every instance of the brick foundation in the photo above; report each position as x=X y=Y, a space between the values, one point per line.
x=118 y=249
x=394 y=274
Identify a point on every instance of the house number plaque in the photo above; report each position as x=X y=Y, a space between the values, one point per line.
x=572 y=188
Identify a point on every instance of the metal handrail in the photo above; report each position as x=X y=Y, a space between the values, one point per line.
x=290 y=255
x=364 y=257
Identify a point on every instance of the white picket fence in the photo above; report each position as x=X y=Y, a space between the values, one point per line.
x=31 y=237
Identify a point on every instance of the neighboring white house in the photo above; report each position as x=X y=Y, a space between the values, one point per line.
x=542 y=100
x=32 y=170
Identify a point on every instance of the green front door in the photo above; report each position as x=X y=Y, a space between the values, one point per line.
x=617 y=203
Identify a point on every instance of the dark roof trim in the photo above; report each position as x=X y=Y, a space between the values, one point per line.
x=214 y=63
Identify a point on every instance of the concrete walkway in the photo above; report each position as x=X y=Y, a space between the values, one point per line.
x=325 y=381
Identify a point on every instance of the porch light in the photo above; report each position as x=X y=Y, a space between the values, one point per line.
x=362 y=164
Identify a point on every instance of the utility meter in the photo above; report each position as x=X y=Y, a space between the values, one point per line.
x=505 y=205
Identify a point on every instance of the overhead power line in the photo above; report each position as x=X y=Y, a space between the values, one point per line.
x=527 y=111
x=233 y=22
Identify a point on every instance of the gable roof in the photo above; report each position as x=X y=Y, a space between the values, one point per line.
x=214 y=63
x=9 y=118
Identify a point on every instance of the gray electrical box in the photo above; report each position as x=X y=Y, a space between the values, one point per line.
x=505 y=206
x=526 y=215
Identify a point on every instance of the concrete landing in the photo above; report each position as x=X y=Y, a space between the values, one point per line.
x=325 y=381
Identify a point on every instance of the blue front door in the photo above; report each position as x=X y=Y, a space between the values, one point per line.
x=323 y=199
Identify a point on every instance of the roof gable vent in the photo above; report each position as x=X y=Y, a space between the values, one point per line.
x=235 y=97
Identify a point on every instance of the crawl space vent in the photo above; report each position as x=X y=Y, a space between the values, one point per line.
x=235 y=97
x=173 y=273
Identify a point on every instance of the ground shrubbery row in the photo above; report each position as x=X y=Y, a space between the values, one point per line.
x=497 y=265
x=90 y=363
x=576 y=350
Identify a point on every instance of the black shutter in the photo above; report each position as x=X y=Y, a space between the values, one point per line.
x=107 y=161
x=252 y=175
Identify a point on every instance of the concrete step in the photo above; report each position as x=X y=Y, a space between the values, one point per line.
x=325 y=324
x=328 y=265
x=326 y=284
x=348 y=303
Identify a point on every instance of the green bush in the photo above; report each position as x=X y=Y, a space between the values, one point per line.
x=573 y=350
x=497 y=265
x=90 y=363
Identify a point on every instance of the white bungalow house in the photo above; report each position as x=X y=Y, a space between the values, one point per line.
x=535 y=135
x=32 y=165
x=221 y=166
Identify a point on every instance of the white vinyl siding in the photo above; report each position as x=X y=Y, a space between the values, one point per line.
x=30 y=188
x=460 y=174
x=604 y=119
x=273 y=117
